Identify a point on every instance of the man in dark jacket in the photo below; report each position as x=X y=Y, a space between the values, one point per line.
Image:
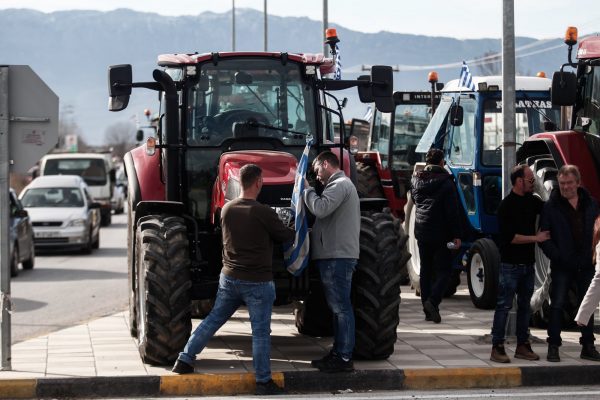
x=569 y=215
x=436 y=224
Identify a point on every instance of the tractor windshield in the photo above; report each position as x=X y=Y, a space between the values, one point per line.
x=533 y=115
x=588 y=113
x=245 y=97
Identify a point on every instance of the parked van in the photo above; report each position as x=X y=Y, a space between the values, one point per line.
x=95 y=168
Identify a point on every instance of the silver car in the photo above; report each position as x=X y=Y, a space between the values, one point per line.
x=62 y=212
x=21 y=236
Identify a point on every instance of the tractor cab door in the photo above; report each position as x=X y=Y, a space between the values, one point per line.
x=410 y=120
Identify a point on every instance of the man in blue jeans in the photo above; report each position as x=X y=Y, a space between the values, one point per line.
x=335 y=250
x=517 y=215
x=249 y=229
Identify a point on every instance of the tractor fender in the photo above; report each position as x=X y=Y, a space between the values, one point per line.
x=143 y=173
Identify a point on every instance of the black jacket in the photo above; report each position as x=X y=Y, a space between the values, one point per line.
x=561 y=248
x=436 y=202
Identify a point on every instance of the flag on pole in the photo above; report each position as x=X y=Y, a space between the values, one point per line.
x=368 y=114
x=338 y=64
x=296 y=254
x=466 y=80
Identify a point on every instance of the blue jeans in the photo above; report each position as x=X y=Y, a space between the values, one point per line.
x=559 y=292
x=513 y=279
x=436 y=268
x=232 y=293
x=336 y=276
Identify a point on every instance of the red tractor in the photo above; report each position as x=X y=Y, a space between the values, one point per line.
x=219 y=111
x=578 y=143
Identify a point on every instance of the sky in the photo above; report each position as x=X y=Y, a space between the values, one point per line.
x=462 y=19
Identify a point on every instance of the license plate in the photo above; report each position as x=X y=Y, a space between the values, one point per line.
x=45 y=234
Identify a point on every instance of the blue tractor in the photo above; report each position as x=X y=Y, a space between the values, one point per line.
x=468 y=127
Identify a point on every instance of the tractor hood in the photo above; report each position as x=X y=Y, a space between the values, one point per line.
x=279 y=171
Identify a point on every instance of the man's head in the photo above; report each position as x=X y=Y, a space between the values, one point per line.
x=522 y=179
x=325 y=165
x=435 y=157
x=251 y=179
x=569 y=180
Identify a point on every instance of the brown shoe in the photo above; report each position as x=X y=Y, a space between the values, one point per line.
x=499 y=354
x=524 y=351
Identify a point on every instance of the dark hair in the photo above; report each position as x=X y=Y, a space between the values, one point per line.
x=328 y=156
x=249 y=173
x=570 y=169
x=434 y=156
x=595 y=238
x=518 y=171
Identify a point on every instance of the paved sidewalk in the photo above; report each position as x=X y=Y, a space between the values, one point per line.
x=104 y=348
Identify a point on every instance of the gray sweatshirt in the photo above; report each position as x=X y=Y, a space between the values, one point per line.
x=336 y=231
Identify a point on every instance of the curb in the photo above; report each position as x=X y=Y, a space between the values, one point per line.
x=298 y=382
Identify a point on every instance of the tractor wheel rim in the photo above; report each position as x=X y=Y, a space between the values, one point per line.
x=477 y=275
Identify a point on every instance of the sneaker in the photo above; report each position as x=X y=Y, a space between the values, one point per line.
x=589 y=352
x=525 y=352
x=433 y=311
x=553 y=355
x=336 y=364
x=321 y=361
x=268 y=388
x=499 y=354
x=181 y=368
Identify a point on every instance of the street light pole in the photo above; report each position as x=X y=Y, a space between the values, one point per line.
x=232 y=25
x=325 y=26
x=266 y=36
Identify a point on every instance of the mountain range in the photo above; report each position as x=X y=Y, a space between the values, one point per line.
x=71 y=50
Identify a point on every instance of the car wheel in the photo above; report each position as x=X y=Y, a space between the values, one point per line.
x=30 y=262
x=87 y=248
x=14 y=262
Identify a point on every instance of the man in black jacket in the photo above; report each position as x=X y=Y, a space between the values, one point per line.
x=436 y=224
x=569 y=215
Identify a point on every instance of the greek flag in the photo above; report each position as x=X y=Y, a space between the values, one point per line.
x=466 y=80
x=338 y=64
x=368 y=114
x=296 y=254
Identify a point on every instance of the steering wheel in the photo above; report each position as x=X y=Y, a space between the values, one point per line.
x=226 y=119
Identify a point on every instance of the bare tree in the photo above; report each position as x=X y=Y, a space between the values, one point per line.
x=491 y=64
x=121 y=137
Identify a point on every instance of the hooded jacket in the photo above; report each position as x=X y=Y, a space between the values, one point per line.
x=561 y=249
x=436 y=202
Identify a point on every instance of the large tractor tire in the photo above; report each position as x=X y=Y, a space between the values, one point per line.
x=483 y=266
x=376 y=287
x=163 y=288
x=545 y=172
x=367 y=181
x=131 y=270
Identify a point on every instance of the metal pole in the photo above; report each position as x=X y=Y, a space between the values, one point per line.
x=509 y=146
x=325 y=26
x=5 y=305
x=266 y=36
x=232 y=25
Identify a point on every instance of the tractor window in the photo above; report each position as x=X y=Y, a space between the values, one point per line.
x=588 y=117
x=410 y=122
x=531 y=116
x=241 y=98
x=380 y=140
x=462 y=150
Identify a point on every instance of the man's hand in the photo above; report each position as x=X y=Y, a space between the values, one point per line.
x=542 y=236
x=306 y=184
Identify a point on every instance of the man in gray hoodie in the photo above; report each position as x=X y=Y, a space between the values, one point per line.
x=335 y=249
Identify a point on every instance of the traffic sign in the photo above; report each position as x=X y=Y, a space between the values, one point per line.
x=32 y=118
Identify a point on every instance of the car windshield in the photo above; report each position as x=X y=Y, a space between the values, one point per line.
x=52 y=197
x=92 y=170
x=241 y=98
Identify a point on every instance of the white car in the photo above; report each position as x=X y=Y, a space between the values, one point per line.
x=62 y=212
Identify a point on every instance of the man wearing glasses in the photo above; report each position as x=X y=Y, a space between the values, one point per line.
x=517 y=214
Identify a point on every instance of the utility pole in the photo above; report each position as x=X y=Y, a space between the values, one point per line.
x=325 y=26
x=232 y=25
x=266 y=36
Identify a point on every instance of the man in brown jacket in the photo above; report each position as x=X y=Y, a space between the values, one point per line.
x=249 y=229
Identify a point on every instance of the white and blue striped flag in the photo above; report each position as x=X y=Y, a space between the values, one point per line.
x=368 y=114
x=338 y=64
x=466 y=80
x=296 y=254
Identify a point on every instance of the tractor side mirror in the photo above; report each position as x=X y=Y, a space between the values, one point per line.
x=564 y=88
x=139 y=135
x=365 y=93
x=456 y=115
x=382 y=78
x=119 y=86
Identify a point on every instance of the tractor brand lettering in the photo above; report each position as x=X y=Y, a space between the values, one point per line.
x=528 y=104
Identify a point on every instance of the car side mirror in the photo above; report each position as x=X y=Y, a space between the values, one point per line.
x=120 y=79
x=456 y=115
x=564 y=88
x=21 y=214
x=94 y=204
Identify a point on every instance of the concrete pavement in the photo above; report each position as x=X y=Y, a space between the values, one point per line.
x=100 y=358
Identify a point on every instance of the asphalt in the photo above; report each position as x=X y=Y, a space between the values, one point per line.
x=100 y=359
